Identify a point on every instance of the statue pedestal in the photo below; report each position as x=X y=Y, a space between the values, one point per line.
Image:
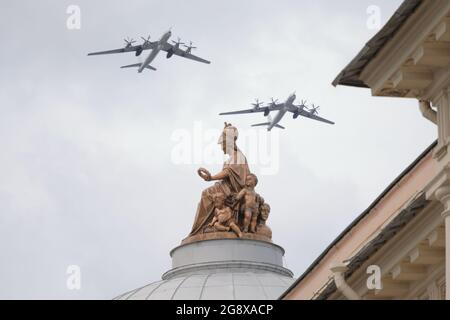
x=227 y=255
x=220 y=269
x=224 y=235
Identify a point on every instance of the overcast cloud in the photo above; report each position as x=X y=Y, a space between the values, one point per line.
x=86 y=164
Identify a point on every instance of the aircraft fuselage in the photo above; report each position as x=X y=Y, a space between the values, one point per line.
x=156 y=50
x=280 y=114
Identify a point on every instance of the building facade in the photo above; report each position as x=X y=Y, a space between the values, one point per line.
x=399 y=248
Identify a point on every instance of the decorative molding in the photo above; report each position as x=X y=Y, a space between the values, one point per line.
x=405 y=43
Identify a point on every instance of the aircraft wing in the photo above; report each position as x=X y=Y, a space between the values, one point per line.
x=307 y=114
x=150 y=45
x=272 y=107
x=184 y=54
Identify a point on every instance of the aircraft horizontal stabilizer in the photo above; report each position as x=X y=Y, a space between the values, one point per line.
x=261 y=124
x=278 y=126
x=137 y=65
x=132 y=65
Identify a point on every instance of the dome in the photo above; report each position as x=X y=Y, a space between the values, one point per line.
x=214 y=286
x=225 y=269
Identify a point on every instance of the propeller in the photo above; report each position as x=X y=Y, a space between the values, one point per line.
x=189 y=47
x=129 y=42
x=274 y=101
x=313 y=109
x=299 y=108
x=177 y=43
x=257 y=104
x=146 y=41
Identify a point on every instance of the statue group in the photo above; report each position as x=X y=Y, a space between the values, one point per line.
x=231 y=207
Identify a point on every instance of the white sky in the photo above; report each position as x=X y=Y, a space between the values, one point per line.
x=86 y=167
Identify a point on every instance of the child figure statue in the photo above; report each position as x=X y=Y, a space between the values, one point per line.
x=263 y=229
x=223 y=218
x=250 y=202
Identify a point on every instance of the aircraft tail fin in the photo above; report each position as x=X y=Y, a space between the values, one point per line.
x=137 y=65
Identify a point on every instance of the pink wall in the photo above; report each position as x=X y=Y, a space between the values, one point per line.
x=412 y=183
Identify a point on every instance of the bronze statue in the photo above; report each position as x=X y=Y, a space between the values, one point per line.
x=249 y=196
x=230 y=206
x=223 y=218
x=262 y=228
x=230 y=180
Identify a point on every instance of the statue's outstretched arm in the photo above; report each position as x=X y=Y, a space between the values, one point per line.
x=220 y=176
x=205 y=175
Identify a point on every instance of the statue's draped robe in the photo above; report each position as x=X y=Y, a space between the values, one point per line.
x=237 y=169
